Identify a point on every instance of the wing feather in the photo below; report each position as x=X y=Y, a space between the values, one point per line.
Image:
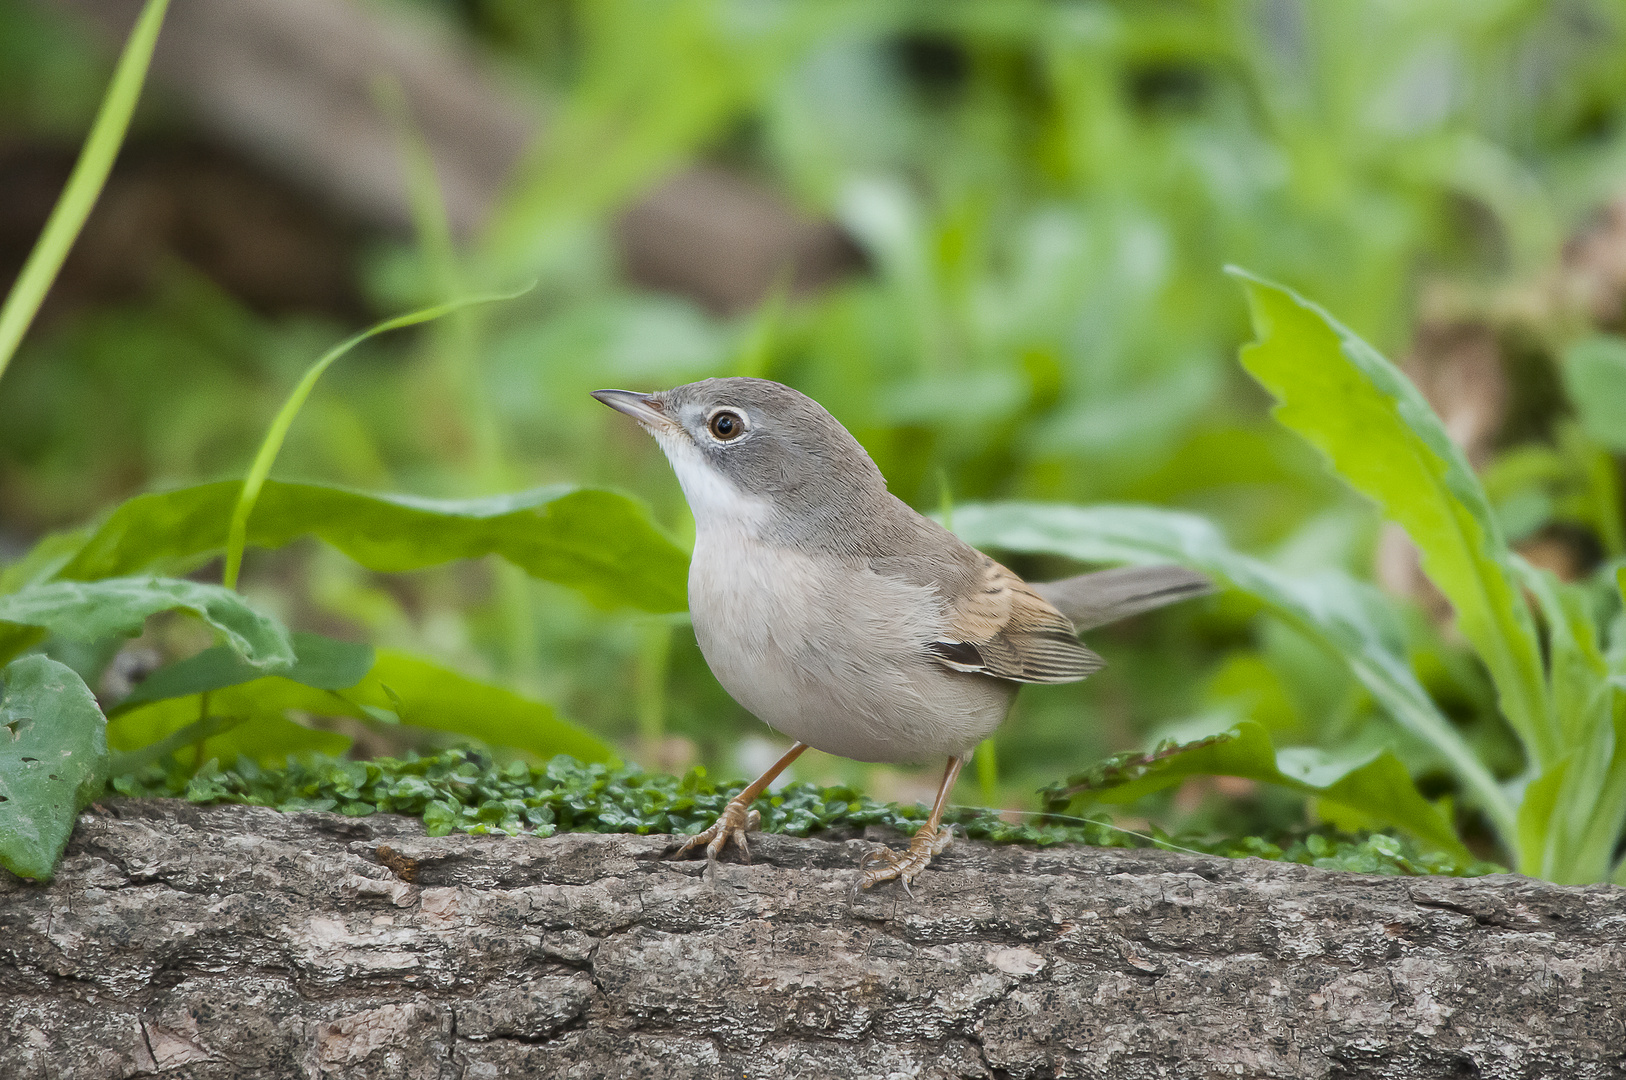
x=1001 y=627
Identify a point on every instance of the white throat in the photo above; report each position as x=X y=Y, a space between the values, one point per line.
x=714 y=499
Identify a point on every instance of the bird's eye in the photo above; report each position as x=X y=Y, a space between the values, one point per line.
x=726 y=424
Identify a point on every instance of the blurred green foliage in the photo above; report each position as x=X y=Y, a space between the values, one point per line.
x=1044 y=194
x=1562 y=690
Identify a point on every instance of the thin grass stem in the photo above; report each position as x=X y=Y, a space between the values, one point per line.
x=84 y=185
x=237 y=534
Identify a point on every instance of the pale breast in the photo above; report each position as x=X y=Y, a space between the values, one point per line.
x=833 y=654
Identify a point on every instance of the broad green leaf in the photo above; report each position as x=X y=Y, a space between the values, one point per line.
x=1248 y=685
x=414 y=691
x=1376 y=784
x=1382 y=438
x=320 y=662
x=93 y=610
x=259 y=730
x=53 y=761
x=1595 y=376
x=598 y=542
x=231 y=711
x=273 y=740
x=1350 y=620
x=428 y=695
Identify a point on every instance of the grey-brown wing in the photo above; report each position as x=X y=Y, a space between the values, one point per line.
x=999 y=626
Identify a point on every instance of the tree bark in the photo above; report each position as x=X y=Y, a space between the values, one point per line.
x=200 y=942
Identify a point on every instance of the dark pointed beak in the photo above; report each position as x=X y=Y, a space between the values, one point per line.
x=644 y=408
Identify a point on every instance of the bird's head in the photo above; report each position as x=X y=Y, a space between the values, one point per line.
x=752 y=450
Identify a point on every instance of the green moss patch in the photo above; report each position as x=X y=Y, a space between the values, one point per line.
x=467 y=791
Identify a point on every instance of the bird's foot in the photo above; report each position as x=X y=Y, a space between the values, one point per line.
x=884 y=864
x=734 y=822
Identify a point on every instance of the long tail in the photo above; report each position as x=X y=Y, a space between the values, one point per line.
x=1106 y=596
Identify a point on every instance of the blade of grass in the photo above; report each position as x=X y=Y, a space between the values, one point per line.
x=237 y=534
x=84 y=186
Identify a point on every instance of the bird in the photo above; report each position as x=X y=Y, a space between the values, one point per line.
x=841 y=617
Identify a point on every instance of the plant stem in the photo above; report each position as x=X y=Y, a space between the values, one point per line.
x=84 y=186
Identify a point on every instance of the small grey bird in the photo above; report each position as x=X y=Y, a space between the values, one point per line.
x=836 y=614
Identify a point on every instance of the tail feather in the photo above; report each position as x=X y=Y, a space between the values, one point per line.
x=1106 y=596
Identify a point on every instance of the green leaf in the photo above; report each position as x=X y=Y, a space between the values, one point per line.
x=53 y=761
x=1573 y=814
x=426 y=694
x=1376 y=784
x=41 y=563
x=1382 y=438
x=599 y=542
x=1578 y=672
x=93 y=610
x=1585 y=829
x=1595 y=376
x=419 y=692
x=320 y=662
x=1350 y=620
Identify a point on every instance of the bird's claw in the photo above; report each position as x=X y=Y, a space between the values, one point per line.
x=904 y=866
x=733 y=823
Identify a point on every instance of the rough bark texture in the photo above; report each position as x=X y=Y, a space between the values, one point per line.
x=233 y=941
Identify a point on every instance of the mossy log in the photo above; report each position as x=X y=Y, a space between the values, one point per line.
x=185 y=941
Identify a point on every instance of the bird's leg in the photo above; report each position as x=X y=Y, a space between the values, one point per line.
x=929 y=841
x=737 y=817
